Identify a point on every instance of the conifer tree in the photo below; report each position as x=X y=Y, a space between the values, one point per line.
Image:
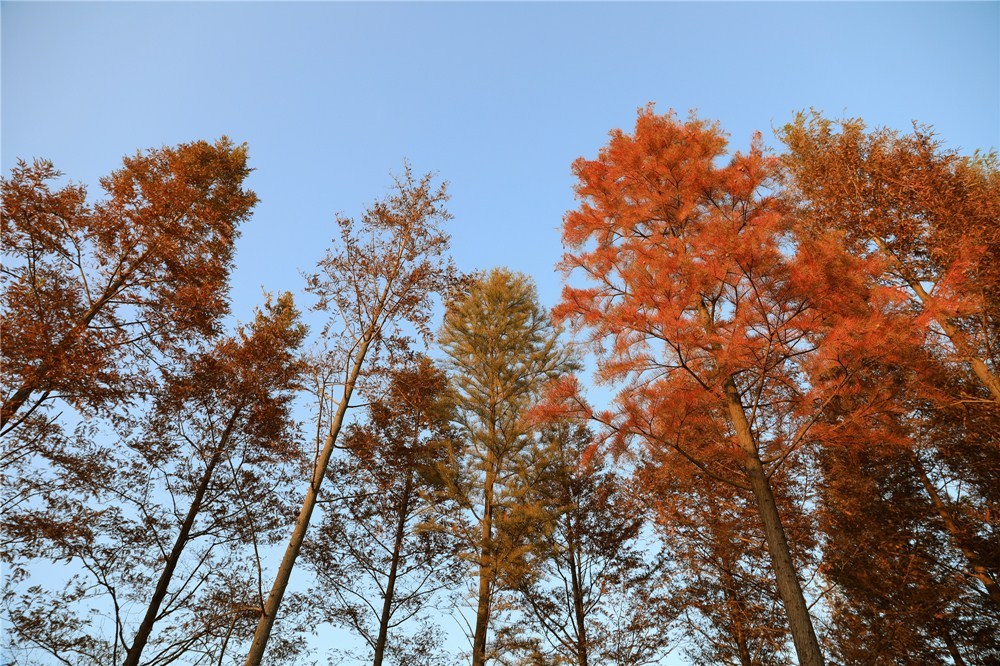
x=501 y=349
x=729 y=335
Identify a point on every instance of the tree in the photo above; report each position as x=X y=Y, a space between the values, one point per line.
x=378 y=565
x=160 y=523
x=732 y=333
x=927 y=212
x=928 y=216
x=88 y=290
x=591 y=591
x=250 y=380
x=501 y=348
x=731 y=614
x=383 y=277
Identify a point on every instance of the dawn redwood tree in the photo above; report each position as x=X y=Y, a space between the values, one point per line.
x=929 y=213
x=88 y=289
x=381 y=278
x=731 y=612
x=161 y=524
x=732 y=334
x=501 y=348
x=377 y=564
x=590 y=593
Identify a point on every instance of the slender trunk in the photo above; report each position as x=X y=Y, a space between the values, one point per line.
x=576 y=581
x=742 y=648
x=956 y=656
x=390 y=586
x=270 y=610
x=803 y=635
x=979 y=367
x=486 y=562
x=163 y=584
x=225 y=640
x=979 y=570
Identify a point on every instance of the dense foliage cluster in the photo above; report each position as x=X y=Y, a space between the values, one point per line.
x=801 y=459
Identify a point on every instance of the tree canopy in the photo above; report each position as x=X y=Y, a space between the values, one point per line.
x=801 y=453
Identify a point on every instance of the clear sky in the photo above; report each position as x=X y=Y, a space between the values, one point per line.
x=498 y=98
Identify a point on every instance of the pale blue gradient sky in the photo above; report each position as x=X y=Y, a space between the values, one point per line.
x=499 y=98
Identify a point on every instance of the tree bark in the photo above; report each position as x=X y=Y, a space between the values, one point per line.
x=803 y=635
x=956 y=656
x=486 y=572
x=742 y=648
x=163 y=584
x=390 y=586
x=270 y=610
x=578 y=610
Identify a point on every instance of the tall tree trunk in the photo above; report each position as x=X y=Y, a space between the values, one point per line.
x=163 y=584
x=956 y=656
x=576 y=580
x=742 y=648
x=270 y=610
x=486 y=569
x=975 y=563
x=803 y=635
x=390 y=586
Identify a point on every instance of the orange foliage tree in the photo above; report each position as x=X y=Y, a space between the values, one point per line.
x=928 y=216
x=85 y=285
x=928 y=213
x=732 y=335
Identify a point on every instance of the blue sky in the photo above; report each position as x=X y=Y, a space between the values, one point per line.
x=498 y=98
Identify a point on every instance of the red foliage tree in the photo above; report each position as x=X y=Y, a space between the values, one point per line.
x=85 y=285
x=733 y=335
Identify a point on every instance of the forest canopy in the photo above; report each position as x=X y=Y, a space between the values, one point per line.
x=800 y=458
